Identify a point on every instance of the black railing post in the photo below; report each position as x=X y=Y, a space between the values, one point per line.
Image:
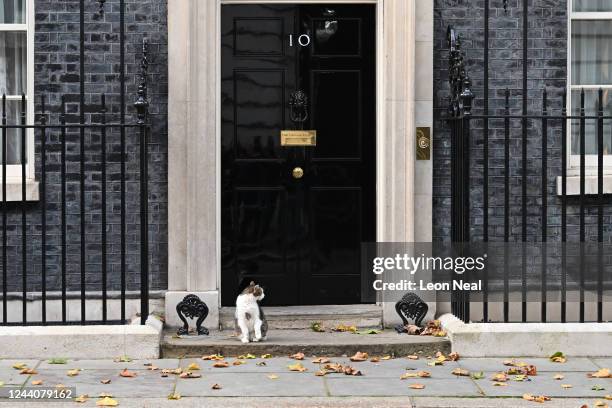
x=600 y=204
x=544 y=201
x=4 y=214
x=63 y=204
x=103 y=204
x=142 y=107
x=43 y=207
x=24 y=225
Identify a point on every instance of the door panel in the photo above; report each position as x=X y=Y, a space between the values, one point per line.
x=299 y=238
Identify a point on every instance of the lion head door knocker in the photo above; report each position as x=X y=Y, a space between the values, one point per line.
x=192 y=307
x=298 y=108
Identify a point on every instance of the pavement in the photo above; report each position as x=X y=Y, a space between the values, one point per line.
x=268 y=382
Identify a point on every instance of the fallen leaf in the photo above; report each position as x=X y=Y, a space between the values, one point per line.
x=105 y=381
x=412 y=357
x=174 y=396
x=602 y=373
x=172 y=371
x=152 y=368
x=73 y=373
x=237 y=362
x=558 y=357
x=107 y=402
x=566 y=385
x=461 y=372
x=317 y=327
x=408 y=375
x=435 y=363
x=266 y=356
x=216 y=386
x=500 y=384
x=189 y=374
x=19 y=366
x=321 y=373
x=122 y=359
x=424 y=374
x=608 y=397
x=417 y=386
x=500 y=377
x=345 y=328
x=478 y=376
x=261 y=364
x=213 y=357
x=509 y=362
x=37 y=382
x=386 y=358
x=454 y=356
x=601 y=404
x=57 y=361
x=514 y=371
x=375 y=360
x=127 y=374
x=412 y=329
x=105 y=395
x=297 y=356
x=530 y=370
x=273 y=376
x=597 y=387
x=359 y=356
x=28 y=371
x=82 y=398
x=370 y=331
x=221 y=364
x=321 y=360
x=249 y=356
x=297 y=367
x=521 y=377
x=193 y=367
x=559 y=377
x=540 y=398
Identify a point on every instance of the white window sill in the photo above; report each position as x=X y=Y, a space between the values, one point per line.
x=590 y=185
x=13 y=190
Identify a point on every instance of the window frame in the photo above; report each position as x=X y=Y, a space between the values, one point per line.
x=13 y=171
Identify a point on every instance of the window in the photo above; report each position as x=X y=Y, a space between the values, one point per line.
x=17 y=78
x=590 y=69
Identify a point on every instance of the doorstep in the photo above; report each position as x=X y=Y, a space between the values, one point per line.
x=528 y=339
x=286 y=342
x=301 y=317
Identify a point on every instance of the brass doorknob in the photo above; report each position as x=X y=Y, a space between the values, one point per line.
x=297 y=173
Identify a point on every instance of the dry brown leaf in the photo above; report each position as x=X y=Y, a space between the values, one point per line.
x=266 y=356
x=321 y=373
x=190 y=374
x=375 y=359
x=152 y=368
x=412 y=357
x=19 y=366
x=348 y=370
x=601 y=404
x=500 y=384
x=105 y=395
x=345 y=328
x=28 y=371
x=213 y=357
x=359 y=356
x=297 y=356
x=127 y=374
x=321 y=360
x=566 y=385
x=500 y=377
x=602 y=373
x=273 y=376
x=559 y=377
x=82 y=398
x=261 y=364
x=221 y=364
x=73 y=372
x=608 y=397
x=174 y=396
x=107 y=402
x=539 y=398
x=193 y=367
x=216 y=386
x=530 y=370
x=106 y=381
x=238 y=362
x=408 y=375
x=37 y=382
x=454 y=356
x=461 y=372
x=417 y=386
x=297 y=367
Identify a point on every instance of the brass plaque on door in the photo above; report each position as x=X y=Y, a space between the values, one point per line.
x=298 y=138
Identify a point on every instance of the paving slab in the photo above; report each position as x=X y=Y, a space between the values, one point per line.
x=253 y=384
x=287 y=342
x=365 y=386
x=145 y=384
x=542 y=364
x=110 y=364
x=603 y=362
x=394 y=368
x=545 y=384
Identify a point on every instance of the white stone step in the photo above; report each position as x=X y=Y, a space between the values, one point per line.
x=301 y=317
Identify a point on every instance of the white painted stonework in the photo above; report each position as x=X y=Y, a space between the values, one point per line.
x=405 y=101
x=528 y=339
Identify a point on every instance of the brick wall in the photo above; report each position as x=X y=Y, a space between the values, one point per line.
x=547 y=67
x=57 y=73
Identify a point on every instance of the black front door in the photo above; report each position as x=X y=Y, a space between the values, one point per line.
x=298 y=237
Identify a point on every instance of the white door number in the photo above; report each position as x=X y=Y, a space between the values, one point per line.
x=303 y=40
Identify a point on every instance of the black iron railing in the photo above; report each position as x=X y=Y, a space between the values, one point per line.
x=518 y=215
x=62 y=172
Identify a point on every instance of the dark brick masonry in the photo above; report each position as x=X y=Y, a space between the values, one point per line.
x=57 y=73
x=547 y=67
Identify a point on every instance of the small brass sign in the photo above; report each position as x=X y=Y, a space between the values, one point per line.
x=423 y=143
x=298 y=137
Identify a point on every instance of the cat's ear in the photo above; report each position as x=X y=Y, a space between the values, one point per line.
x=252 y=283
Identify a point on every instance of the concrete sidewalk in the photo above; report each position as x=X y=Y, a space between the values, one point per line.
x=269 y=383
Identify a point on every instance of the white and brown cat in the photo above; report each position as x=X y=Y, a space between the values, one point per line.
x=250 y=320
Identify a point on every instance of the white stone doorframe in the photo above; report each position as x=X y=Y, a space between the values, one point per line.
x=405 y=101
